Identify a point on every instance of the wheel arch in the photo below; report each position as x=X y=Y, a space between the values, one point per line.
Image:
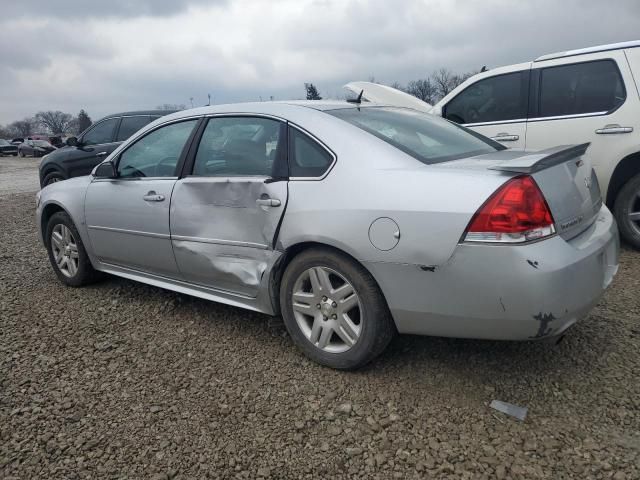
x=626 y=168
x=290 y=253
x=47 y=212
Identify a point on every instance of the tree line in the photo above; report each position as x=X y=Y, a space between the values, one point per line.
x=47 y=122
x=429 y=89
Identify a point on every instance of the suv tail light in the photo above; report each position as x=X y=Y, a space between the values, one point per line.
x=517 y=212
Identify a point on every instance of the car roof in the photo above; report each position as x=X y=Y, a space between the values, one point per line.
x=584 y=51
x=140 y=112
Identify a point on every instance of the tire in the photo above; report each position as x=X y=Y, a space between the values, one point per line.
x=20 y=154
x=367 y=339
x=52 y=177
x=83 y=273
x=628 y=203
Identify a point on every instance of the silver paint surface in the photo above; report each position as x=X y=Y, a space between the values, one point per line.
x=222 y=243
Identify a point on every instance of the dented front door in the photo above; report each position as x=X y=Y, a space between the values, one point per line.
x=223 y=230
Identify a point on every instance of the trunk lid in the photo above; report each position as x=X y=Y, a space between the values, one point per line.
x=565 y=177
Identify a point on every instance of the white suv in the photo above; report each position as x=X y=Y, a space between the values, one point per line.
x=588 y=95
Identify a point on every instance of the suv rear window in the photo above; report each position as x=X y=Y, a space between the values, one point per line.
x=131 y=125
x=590 y=87
x=425 y=137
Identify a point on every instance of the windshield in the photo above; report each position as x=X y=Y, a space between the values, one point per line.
x=41 y=143
x=425 y=137
x=4 y=142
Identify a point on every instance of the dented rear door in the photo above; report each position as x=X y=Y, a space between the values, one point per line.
x=225 y=213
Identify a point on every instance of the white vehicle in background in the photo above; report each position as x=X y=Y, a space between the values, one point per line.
x=588 y=95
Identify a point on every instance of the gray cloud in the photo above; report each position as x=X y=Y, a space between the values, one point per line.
x=74 y=9
x=247 y=49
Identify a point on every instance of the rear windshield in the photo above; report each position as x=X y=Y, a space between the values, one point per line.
x=425 y=137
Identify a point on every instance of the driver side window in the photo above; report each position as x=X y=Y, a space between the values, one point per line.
x=494 y=99
x=156 y=154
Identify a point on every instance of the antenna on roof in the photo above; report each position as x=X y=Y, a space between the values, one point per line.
x=358 y=99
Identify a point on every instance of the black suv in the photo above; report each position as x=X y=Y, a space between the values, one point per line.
x=81 y=154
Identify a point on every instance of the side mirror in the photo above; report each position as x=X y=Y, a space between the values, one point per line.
x=105 y=170
x=72 y=141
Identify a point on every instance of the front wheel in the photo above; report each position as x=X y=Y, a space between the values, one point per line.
x=334 y=310
x=52 y=178
x=67 y=254
x=20 y=153
x=627 y=211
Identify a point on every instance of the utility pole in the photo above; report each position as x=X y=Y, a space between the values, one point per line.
x=191 y=100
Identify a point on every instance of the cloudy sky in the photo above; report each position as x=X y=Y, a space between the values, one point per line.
x=109 y=56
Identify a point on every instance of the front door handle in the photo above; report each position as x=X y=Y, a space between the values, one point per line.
x=153 y=197
x=506 y=137
x=613 y=129
x=101 y=154
x=268 y=202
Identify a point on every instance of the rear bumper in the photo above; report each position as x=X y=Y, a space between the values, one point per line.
x=504 y=292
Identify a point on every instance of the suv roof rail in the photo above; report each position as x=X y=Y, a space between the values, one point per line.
x=584 y=51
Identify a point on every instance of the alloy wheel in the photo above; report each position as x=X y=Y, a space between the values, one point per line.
x=327 y=309
x=634 y=212
x=65 y=250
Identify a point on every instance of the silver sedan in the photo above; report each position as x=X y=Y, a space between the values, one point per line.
x=353 y=221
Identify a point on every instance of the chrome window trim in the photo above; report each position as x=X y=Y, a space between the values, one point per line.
x=562 y=117
x=130 y=179
x=218 y=241
x=163 y=236
x=323 y=145
x=501 y=122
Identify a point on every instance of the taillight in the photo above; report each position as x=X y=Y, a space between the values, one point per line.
x=517 y=212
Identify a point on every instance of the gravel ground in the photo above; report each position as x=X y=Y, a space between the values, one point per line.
x=123 y=380
x=18 y=175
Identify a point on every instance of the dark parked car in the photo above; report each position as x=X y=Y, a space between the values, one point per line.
x=34 y=148
x=81 y=154
x=17 y=141
x=7 y=148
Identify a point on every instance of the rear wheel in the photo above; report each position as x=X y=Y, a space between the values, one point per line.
x=627 y=211
x=334 y=310
x=67 y=254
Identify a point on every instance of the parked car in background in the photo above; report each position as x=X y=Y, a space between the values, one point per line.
x=7 y=148
x=17 y=141
x=35 y=148
x=81 y=154
x=354 y=221
x=586 y=95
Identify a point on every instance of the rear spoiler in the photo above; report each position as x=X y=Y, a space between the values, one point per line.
x=536 y=161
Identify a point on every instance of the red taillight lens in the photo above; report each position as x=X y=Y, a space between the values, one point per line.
x=516 y=212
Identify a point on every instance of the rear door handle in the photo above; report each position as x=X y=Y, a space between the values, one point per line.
x=506 y=137
x=613 y=129
x=268 y=202
x=101 y=154
x=153 y=197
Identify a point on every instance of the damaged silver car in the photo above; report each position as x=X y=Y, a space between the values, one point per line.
x=353 y=221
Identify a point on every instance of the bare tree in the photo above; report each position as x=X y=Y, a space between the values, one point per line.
x=424 y=89
x=22 y=128
x=56 y=122
x=84 y=121
x=397 y=85
x=444 y=81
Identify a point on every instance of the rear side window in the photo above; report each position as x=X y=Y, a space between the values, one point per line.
x=101 y=133
x=238 y=146
x=425 y=137
x=494 y=99
x=590 y=87
x=131 y=125
x=307 y=158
